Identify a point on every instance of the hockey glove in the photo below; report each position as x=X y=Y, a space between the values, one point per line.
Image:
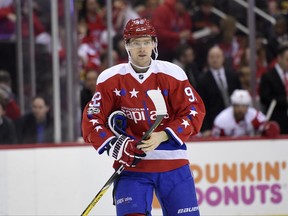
x=117 y=123
x=271 y=129
x=123 y=149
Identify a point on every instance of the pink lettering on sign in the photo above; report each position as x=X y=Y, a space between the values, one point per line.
x=245 y=183
x=248 y=194
x=235 y=195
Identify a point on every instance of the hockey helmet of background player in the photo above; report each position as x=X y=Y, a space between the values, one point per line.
x=241 y=97
x=139 y=27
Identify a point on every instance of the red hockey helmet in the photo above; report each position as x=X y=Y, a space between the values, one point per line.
x=139 y=27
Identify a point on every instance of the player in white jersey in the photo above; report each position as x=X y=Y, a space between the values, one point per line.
x=165 y=168
x=241 y=119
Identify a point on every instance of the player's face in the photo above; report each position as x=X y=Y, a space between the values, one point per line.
x=240 y=112
x=141 y=50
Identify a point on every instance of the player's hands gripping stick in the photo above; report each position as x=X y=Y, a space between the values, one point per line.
x=123 y=149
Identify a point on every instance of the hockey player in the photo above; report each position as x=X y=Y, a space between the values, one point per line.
x=241 y=119
x=165 y=168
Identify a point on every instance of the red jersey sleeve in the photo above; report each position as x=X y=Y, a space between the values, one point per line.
x=188 y=109
x=95 y=115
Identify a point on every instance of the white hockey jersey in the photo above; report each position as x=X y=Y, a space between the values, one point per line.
x=226 y=125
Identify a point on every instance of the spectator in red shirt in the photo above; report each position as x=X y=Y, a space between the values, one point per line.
x=173 y=24
x=7 y=19
x=38 y=26
x=12 y=108
x=8 y=22
x=91 y=21
x=149 y=8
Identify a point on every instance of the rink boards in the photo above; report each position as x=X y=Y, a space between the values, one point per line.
x=233 y=177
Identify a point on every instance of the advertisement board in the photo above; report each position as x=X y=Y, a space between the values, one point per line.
x=240 y=177
x=244 y=177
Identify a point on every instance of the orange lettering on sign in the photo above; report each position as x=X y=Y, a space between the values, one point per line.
x=259 y=171
x=246 y=172
x=197 y=171
x=229 y=172
x=210 y=178
x=235 y=172
x=272 y=171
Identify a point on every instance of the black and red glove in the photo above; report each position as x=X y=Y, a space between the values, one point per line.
x=124 y=150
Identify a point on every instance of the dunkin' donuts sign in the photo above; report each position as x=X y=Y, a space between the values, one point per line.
x=243 y=177
x=240 y=183
x=240 y=177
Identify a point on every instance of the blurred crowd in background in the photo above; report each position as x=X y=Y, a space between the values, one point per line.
x=208 y=47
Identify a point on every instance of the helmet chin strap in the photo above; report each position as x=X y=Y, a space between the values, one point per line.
x=155 y=50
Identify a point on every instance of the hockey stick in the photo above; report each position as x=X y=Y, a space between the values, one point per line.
x=161 y=111
x=271 y=109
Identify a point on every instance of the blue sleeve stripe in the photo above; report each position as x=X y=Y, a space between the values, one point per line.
x=173 y=136
x=171 y=144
